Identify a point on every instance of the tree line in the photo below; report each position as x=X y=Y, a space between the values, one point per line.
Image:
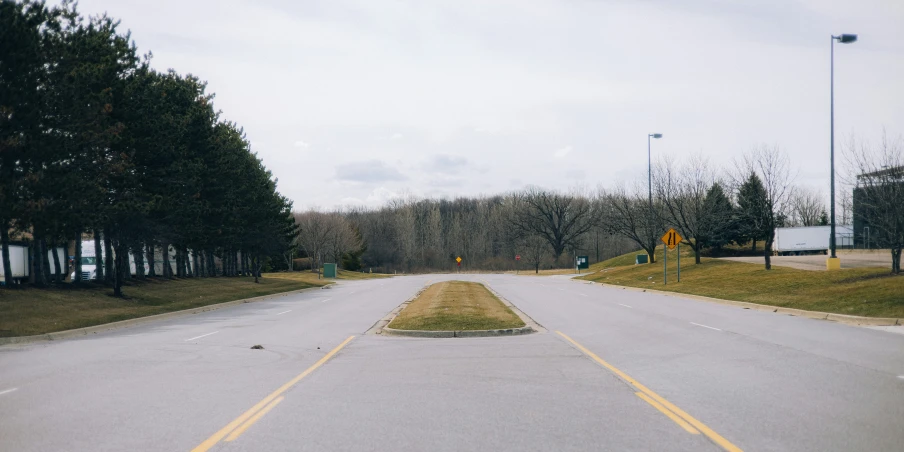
x=94 y=141
x=710 y=207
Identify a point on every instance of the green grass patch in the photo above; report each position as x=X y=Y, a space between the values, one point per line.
x=871 y=292
x=456 y=306
x=31 y=311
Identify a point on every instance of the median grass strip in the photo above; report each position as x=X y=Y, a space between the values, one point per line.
x=456 y=306
x=31 y=311
x=870 y=292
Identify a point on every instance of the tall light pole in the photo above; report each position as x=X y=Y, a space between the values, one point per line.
x=650 y=179
x=650 y=167
x=844 y=39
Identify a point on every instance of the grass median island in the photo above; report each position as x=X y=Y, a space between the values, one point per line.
x=456 y=306
x=31 y=311
x=870 y=292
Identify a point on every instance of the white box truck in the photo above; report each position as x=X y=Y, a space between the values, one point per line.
x=808 y=239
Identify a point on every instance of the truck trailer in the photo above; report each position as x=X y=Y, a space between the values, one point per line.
x=809 y=239
x=20 y=263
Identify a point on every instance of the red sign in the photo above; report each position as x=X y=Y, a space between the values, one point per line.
x=517 y=257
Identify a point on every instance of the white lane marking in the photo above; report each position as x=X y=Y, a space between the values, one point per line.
x=325 y=300
x=582 y=294
x=704 y=326
x=281 y=313
x=203 y=335
x=352 y=292
x=624 y=305
x=899 y=376
x=8 y=391
x=563 y=290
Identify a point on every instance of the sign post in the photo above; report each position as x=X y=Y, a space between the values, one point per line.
x=517 y=260
x=458 y=261
x=671 y=239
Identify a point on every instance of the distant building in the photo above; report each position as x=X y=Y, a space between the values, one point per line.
x=865 y=232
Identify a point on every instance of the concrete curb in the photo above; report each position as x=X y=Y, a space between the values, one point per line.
x=139 y=320
x=442 y=334
x=840 y=318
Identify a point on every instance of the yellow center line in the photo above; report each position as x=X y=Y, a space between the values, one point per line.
x=238 y=432
x=713 y=436
x=216 y=437
x=674 y=417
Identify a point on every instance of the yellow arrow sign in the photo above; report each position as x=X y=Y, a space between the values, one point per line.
x=458 y=259
x=672 y=238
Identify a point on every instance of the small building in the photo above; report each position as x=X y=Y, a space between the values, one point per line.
x=865 y=224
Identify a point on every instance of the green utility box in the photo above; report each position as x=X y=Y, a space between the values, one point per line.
x=640 y=259
x=329 y=270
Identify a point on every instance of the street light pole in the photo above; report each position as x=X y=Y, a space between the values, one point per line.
x=844 y=39
x=650 y=167
x=650 y=179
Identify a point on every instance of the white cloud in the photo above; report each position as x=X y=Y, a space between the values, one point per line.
x=396 y=136
x=302 y=144
x=562 y=152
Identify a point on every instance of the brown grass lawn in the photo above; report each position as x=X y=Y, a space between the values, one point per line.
x=456 y=306
x=872 y=292
x=30 y=311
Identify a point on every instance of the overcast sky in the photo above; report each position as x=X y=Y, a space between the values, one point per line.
x=354 y=102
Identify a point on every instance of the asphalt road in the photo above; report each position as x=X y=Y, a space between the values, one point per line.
x=616 y=370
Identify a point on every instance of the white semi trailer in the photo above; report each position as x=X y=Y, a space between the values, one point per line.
x=89 y=261
x=20 y=263
x=810 y=239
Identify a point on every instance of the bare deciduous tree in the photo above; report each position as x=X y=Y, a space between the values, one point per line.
x=879 y=193
x=772 y=166
x=806 y=206
x=559 y=218
x=682 y=191
x=630 y=215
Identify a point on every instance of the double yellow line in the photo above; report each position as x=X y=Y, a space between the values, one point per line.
x=238 y=426
x=686 y=421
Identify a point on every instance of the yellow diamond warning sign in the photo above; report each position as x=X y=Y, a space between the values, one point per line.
x=672 y=238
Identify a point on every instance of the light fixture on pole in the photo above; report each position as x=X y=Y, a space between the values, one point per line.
x=843 y=39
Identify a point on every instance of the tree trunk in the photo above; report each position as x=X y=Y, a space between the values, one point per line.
x=109 y=262
x=167 y=269
x=4 y=250
x=896 y=260
x=45 y=263
x=767 y=252
x=753 y=247
x=696 y=252
x=211 y=264
x=193 y=270
x=60 y=277
x=244 y=267
x=180 y=263
x=78 y=260
x=256 y=268
x=40 y=278
x=537 y=268
x=121 y=255
x=98 y=257
x=138 y=251
x=199 y=264
x=152 y=270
